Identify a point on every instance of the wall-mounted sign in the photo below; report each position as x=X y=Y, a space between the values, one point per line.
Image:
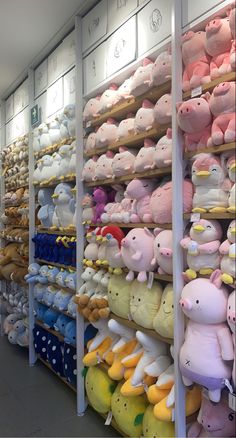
x=94 y=24
x=34 y=115
x=54 y=98
x=9 y=107
x=21 y=97
x=69 y=87
x=118 y=10
x=41 y=77
x=94 y=67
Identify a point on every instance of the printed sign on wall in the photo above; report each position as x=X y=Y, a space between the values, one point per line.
x=21 y=97
x=55 y=64
x=193 y=10
x=54 y=98
x=94 y=67
x=41 y=101
x=118 y=10
x=94 y=25
x=68 y=48
x=69 y=87
x=21 y=123
x=41 y=77
x=9 y=107
x=154 y=24
x=121 y=47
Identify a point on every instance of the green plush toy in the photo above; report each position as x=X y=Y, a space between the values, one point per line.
x=99 y=388
x=128 y=412
x=164 y=320
x=144 y=302
x=119 y=295
x=153 y=428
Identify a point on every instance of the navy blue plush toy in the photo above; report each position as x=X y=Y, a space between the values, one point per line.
x=70 y=364
x=70 y=333
x=40 y=341
x=40 y=311
x=55 y=354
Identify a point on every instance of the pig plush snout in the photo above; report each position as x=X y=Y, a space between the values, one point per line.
x=213 y=26
x=187 y=36
x=125 y=243
x=221 y=88
x=186 y=110
x=185 y=303
x=232 y=317
x=166 y=252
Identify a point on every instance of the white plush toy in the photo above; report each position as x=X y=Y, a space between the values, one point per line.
x=228 y=251
x=163 y=150
x=88 y=287
x=62 y=120
x=54 y=131
x=65 y=151
x=64 y=206
x=72 y=163
x=231 y=167
x=46 y=172
x=69 y=111
x=125 y=334
x=45 y=139
x=36 y=140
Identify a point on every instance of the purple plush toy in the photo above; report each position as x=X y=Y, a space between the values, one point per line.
x=100 y=198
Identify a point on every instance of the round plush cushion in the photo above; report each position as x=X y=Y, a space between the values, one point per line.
x=156 y=428
x=163 y=322
x=99 y=388
x=119 y=295
x=144 y=302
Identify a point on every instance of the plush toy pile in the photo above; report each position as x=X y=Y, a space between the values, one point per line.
x=15 y=163
x=58 y=166
x=13 y=262
x=56 y=249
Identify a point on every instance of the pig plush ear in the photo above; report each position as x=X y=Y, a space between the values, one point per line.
x=147 y=61
x=169 y=133
x=123 y=149
x=147 y=104
x=111 y=121
x=206 y=96
x=157 y=231
x=215 y=278
x=148 y=142
x=109 y=154
x=95 y=158
x=147 y=231
x=178 y=105
x=98 y=97
x=113 y=87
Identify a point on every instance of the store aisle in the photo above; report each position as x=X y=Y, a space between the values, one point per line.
x=33 y=402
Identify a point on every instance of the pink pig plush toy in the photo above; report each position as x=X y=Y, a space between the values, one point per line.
x=162 y=110
x=126 y=127
x=231 y=318
x=196 y=60
x=214 y=420
x=89 y=145
x=103 y=168
x=211 y=184
x=88 y=171
x=227 y=250
x=161 y=202
x=194 y=118
x=218 y=45
x=124 y=91
x=141 y=78
x=144 y=160
x=91 y=109
x=123 y=162
x=137 y=253
x=222 y=104
x=202 y=248
x=140 y=190
x=161 y=69
x=106 y=133
x=163 y=150
x=208 y=347
x=144 y=118
x=163 y=251
x=232 y=21
x=108 y=99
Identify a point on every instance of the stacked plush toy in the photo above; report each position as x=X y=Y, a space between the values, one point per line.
x=56 y=249
x=15 y=163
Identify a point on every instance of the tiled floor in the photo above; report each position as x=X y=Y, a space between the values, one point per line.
x=35 y=403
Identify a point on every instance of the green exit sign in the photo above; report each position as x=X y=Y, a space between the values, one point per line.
x=34 y=115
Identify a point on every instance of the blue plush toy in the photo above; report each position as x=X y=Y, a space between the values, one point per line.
x=89 y=333
x=60 y=278
x=70 y=364
x=39 y=290
x=70 y=333
x=46 y=210
x=50 y=317
x=40 y=311
x=55 y=354
x=52 y=273
x=33 y=271
x=70 y=281
x=61 y=323
x=72 y=307
x=61 y=300
x=49 y=295
x=40 y=341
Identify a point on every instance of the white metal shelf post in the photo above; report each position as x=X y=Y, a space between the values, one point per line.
x=32 y=354
x=81 y=406
x=177 y=214
x=2 y=190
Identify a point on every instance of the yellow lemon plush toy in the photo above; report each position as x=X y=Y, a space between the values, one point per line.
x=119 y=295
x=144 y=302
x=153 y=428
x=99 y=388
x=163 y=322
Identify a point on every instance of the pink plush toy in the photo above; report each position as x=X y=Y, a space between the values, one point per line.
x=208 y=343
x=89 y=145
x=162 y=110
x=113 y=208
x=137 y=252
x=108 y=99
x=232 y=24
x=233 y=55
x=202 y=248
x=218 y=45
x=100 y=198
x=126 y=127
x=88 y=209
x=163 y=150
x=124 y=91
x=163 y=251
x=103 y=168
x=140 y=191
x=231 y=318
x=144 y=160
x=144 y=119
x=223 y=106
x=196 y=60
x=123 y=213
x=214 y=420
x=161 y=202
x=161 y=69
x=88 y=171
x=123 y=162
x=211 y=185
x=91 y=109
x=141 y=78
x=106 y=133
x=227 y=250
x=231 y=168
x=194 y=118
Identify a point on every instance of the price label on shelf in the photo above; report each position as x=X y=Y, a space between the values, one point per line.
x=173 y=415
x=150 y=280
x=108 y=419
x=195 y=217
x=196 y=91
x=232 y=401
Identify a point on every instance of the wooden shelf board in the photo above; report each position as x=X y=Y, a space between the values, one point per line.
x=136 y=225
x=59 y=232
x=158 y=173
x=131 y=105
x=58 y=265
x=19 y=226
x=53 y=332
x=214 y=150
x=209 y=87
x=53 y=308
x=134 y=140
x=133 y=325
x=51 y=149
x=66 y=179
x=225 y=215
x=164 y=277
x=47 y=364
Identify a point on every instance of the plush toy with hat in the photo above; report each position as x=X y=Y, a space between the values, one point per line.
x=162 y=156
x=141 y=78
x=104 y=168
x=113 y=236
x=91 y=109
x=163 y=110
x=210 y=184
x=144 y=303
x=161 y=69
x=207 y=338
x=144 y=161
x=106 y=133
x=108 y=99
x=227 y=251
x=144 y=118
x=202 y=247
x=218 y=46
x=126 y=127
x=123 y=162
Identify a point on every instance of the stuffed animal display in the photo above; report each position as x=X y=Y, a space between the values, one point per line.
x=58 y=166
x=54 y=248
x=15 y=163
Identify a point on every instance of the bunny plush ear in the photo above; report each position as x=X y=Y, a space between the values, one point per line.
x=147 y=104
x=157 y=231
x=169 y=133
x=215 y=278
x=113 y=87
x=109 y=154
x=147 y=61
x=148 y=142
